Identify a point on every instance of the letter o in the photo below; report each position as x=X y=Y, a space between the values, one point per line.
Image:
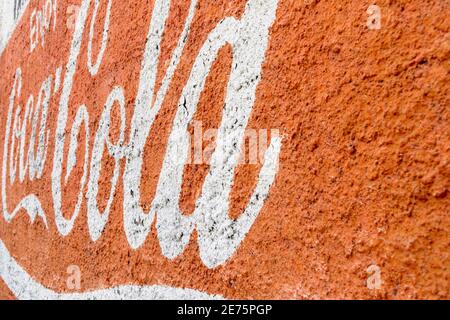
x=96 y=219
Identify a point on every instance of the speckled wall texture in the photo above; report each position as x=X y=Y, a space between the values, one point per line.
x=250 y=149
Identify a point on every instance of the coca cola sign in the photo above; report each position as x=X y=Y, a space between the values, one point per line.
x=218 y=235
x=162 y=149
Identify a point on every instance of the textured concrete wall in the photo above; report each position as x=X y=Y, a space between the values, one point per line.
x=281 y=149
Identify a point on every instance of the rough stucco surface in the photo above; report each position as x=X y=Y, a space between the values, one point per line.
x=364 y=168
x=6 y=293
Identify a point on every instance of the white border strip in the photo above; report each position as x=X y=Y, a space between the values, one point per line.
x=24 y=287
x=7 y=22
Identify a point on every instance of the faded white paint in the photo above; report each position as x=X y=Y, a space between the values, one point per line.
x=30 y=203
x=24 y=287
x=218 y=235
x=63 y=224
x=96 y=219
x=40 y=22
x=7 y=21
x=93 y=68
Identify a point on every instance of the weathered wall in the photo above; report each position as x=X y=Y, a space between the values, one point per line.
x=110 y=179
